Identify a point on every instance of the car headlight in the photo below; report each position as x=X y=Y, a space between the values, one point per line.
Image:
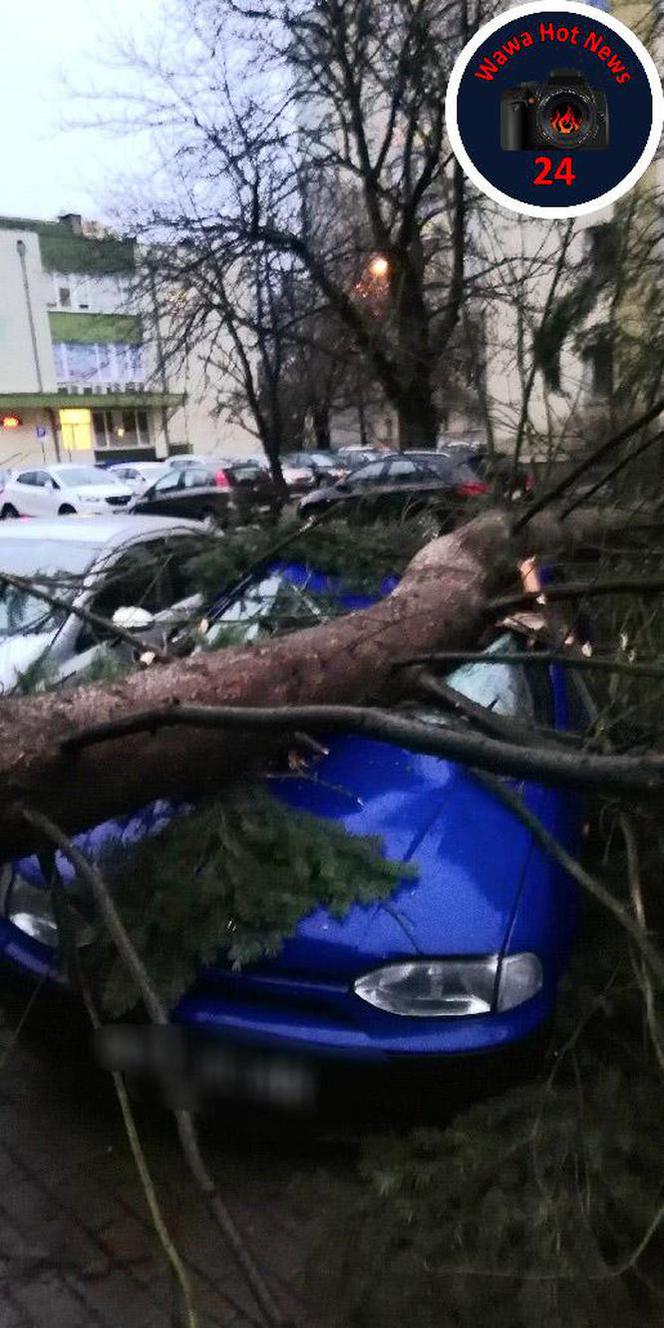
x=30 y=908
x=448 y=988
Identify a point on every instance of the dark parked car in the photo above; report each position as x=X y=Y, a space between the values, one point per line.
x=242 y=491
x=398 y=488
x=497 y=472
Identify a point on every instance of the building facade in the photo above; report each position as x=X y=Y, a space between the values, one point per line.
x=81 y=375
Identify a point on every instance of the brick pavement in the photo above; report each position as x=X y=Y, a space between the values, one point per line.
x=76 y=1244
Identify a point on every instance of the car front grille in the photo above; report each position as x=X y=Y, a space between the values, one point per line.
x=118 y=502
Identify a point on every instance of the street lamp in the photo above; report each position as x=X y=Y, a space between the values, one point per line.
x=379 y=267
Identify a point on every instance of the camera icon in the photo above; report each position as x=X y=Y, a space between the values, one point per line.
x=562 y=112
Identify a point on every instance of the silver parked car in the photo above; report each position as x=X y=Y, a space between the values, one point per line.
x=126 y=569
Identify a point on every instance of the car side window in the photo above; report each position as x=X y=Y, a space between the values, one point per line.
x=27 y=477
x=168 y=483
x=368 y=474
x=516 y=690
x=137 y=580
x=43 y=480
x=196 y=479
x=401 y=470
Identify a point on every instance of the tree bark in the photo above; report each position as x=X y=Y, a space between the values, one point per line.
x=418 y=419
x=441 y=602
x=321 y=421
x=418 y=413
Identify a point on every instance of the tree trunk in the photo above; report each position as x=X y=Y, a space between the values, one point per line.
x=418 y=413
x=440 y=600
x=321 y=420
x=440 y=603
x=418 y=420
x=272 y=449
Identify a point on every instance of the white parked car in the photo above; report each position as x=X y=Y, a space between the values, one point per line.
x=128 y=570
x=138 y=475
x=62 y=491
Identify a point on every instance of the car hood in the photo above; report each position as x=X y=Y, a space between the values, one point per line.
x=18 y=653
x=470 y=851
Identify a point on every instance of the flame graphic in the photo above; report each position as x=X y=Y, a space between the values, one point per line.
x=566 y=122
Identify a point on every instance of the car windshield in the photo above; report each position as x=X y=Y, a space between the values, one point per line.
x=79 y=477
x=502 y=688
x=272 y=605
x=58 y=564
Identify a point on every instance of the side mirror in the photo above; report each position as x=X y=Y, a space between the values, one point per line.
x=132 y=618
x=51 y=484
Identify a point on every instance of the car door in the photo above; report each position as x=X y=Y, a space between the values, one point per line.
x=164 y=499
x=413 y=488
x=21 y=493
x=48 y=495
x=365 y=488
x=31 y=495
x=201 y=497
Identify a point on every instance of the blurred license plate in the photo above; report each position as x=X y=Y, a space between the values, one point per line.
x=191 y=1071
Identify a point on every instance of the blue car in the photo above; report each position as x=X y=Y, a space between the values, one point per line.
x=463 y=960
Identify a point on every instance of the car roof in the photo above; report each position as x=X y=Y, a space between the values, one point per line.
x=70 y=465
x=95 y=530
x=137 y=465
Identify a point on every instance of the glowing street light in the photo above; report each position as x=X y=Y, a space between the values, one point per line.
x=379 y=267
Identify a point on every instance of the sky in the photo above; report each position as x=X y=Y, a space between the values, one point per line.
x=49 y=47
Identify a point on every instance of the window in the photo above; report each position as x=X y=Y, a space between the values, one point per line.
x=137 y=580
x=98 y=362
x=402 y=470
x=169 y=483
x=82 y=362
x=27 y=477
x=368 y=474
x=121 y=428
x=21 y=612
x=502 y=688
x=76 y=427
x=134 y=368
x=64 y=297
x=600 y=360
x=196 y=479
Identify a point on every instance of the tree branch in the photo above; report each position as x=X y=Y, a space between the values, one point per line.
x=157 y=1011
x=546 y=765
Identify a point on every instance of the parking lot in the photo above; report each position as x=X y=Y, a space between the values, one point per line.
x=76 y=1243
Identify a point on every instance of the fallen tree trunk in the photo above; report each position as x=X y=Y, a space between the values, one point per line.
x=441 y=601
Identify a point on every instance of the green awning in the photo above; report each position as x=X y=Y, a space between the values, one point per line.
x=83 y=329
x=19 y=401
